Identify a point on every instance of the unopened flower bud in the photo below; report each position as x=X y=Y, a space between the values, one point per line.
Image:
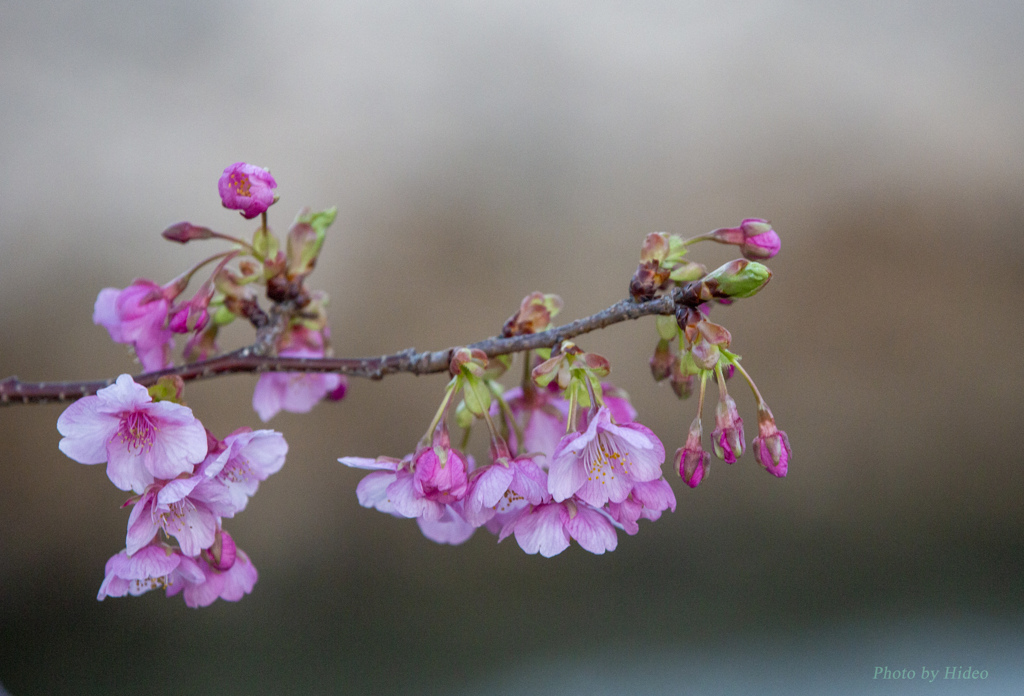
x=705 y=355
x=247 y=188
x=194 y=314
x=662 y=360
x=737 y=279
x=727 y=437
x=760 y=241
x=682 y=383
x=649 y=278
x=185 y=232
x=221 y=555
x=691 y=460
x=771 y=446
x=755 y=238
x=306 y=238
x=655 y=248
x=473 y=361
x=535 y=314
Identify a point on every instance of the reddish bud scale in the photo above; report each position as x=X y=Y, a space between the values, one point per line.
x=648 y=280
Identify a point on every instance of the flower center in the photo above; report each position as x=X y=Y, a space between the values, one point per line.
x=602 y=456
x=237 y=470
x=240 y=182
x=137 y=431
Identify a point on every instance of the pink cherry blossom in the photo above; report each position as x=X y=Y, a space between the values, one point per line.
x=546 y=529
x=188 y=509
x=247 y=188
x=501 y=489
x=155 y=566
x=137 y=316
x=540 y=414
x=602 y=463
x=295 y=392
x=440 y=472
x=392 y=489
x=212 y=584
x=451 y=528
x=246 y=457
x=139 y=439
x=647 y=500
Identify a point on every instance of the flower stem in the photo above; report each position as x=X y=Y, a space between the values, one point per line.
x=442 y=410
x=753 y=387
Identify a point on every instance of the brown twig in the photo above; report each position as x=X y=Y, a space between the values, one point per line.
x=255 y=358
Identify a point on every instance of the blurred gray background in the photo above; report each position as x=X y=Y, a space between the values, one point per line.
x=477 y=152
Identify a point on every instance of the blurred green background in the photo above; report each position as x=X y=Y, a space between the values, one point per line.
x=480 y=151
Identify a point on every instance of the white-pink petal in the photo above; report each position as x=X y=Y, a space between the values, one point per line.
x=566 y=471
x=591 y=530
x=86 y=431
x=541 y=531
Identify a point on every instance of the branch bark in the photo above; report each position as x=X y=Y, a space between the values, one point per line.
x=253 y=358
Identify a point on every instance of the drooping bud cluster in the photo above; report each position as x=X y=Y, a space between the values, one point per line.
x=185 y=480
x=691 y=348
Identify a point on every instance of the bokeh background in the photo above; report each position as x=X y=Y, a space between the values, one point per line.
x=480 y=151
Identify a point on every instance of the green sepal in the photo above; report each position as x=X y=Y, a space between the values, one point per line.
x=167 y=388
x=303 y=252
x=264 y=244
x=676 y=250
x=476 y=395
x=667 y=327
x=687 y=271
x=463 y=417
x=221 y=316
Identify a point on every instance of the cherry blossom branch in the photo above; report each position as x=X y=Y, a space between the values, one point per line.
x=256 y=358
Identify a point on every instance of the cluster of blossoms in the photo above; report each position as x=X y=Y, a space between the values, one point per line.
x=567 y=461
x=185 y=480
x=567 y=458
x=146 y=315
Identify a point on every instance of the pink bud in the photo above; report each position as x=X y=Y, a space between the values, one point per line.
x=222 y=554
x=727 y=437
x=185 y=232
x=760 y=241
x=771 y=446
x=247 y=188
x=691 y=460
x=755 y=237
x=662 y=360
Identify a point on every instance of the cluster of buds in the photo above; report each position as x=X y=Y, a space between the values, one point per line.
x=146 y=315
x=691 y=348
x=185 y=481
